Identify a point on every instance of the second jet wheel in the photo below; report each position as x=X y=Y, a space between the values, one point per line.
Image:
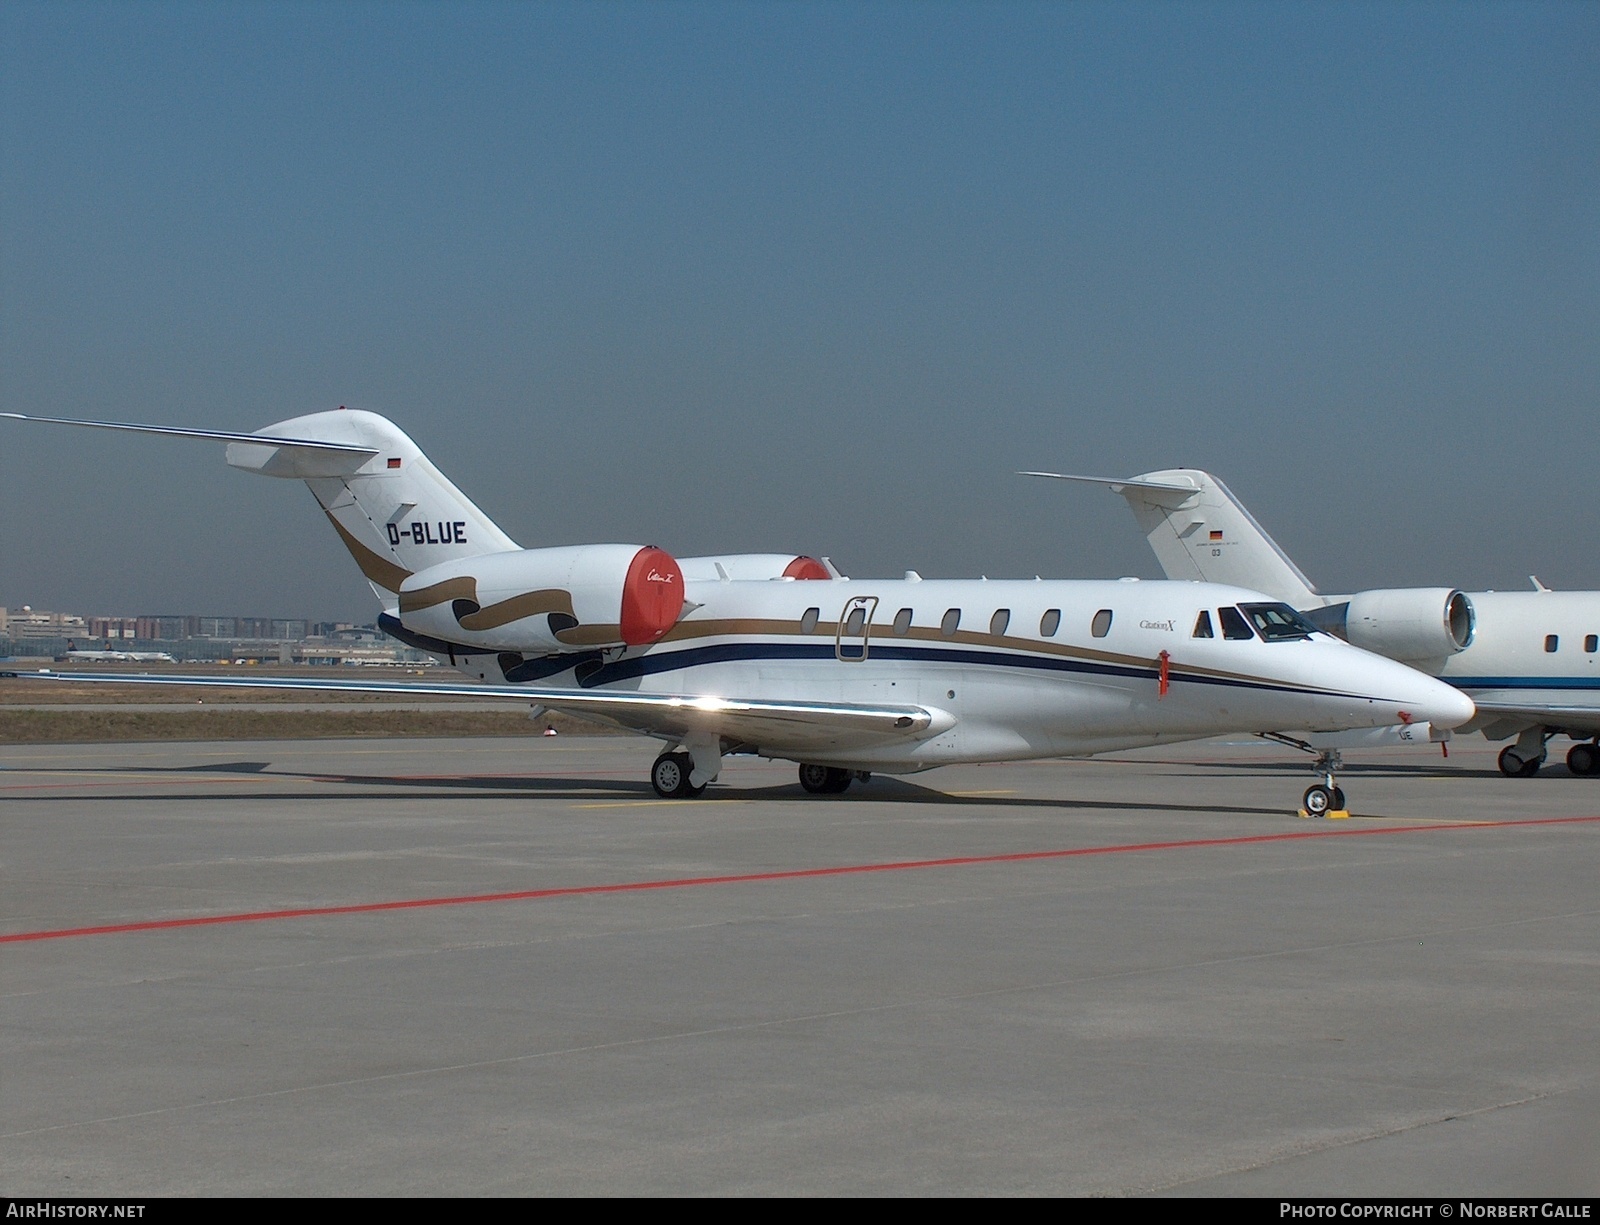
x=1512 y=766
x=670 y=777
x=1584 y=759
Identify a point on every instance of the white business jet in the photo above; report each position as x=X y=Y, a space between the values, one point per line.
x=1530 y=660
x=777 y=655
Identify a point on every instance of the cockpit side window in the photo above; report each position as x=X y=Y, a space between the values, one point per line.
x=1202 y=625
x=1233 y=624
x=1277 y=622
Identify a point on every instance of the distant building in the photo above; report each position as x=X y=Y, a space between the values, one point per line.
x=27 y=623
x=30 y=632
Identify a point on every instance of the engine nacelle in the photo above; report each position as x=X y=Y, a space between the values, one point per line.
x=545 y=600
x=1403 y=623
x=757 y=566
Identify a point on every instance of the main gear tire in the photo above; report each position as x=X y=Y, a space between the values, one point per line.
x=1512 y=765
x=670 y=777
x=824 y=780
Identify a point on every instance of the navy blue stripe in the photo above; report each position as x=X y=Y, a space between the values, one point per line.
x=658 y=662
x=1524 y=682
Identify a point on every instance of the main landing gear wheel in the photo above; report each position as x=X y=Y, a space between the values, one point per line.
x=670 y=777
x=1584 y=759
x=1513 y=766
x=824 y=780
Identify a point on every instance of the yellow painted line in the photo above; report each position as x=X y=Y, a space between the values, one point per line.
x=644 y=803
x=1435 y=820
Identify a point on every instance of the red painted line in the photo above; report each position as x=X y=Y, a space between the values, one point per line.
x=529 y=895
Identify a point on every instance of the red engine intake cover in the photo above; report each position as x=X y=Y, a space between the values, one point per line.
x=806 y=567
x=652 y=596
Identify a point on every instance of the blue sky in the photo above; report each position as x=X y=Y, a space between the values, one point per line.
x=727 y=277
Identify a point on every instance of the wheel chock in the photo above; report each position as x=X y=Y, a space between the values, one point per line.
x=1338 y=814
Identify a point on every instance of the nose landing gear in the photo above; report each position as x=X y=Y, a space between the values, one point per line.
x=1324 y=799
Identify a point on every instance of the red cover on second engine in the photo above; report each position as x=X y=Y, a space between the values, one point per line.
x=652 y=596
x=806 y=567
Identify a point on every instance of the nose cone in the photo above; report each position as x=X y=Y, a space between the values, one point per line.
x=1419 y=698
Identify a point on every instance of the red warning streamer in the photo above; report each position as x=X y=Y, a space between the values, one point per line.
x=1164 y=683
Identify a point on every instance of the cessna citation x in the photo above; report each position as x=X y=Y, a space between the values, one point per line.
x=1530 y=660
x=780 y=656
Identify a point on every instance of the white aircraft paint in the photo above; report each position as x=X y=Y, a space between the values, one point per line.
x=1530 y=660
x=845 y=676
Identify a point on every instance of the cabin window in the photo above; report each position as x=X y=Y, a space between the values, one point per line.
x=1592 y=643
x=1101 y=625
x=902 y=622
x=1050 y=623
x=951 y=622
x=1233 y=624
x=1202 y=625
x=856 y=621
x=808 y=620
x=999 y=622
x=1551 y=643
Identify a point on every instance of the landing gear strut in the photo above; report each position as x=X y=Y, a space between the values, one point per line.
x=1327 y=797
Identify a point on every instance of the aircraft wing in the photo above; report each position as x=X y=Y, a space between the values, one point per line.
x=782 y=727
x=1548 y=714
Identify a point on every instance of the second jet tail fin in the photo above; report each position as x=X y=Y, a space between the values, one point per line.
x=1200 y=531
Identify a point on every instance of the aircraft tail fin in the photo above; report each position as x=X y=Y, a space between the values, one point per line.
x=1200 y=531
x=395 y=512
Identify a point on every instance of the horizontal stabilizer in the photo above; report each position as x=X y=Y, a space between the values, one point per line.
x=1174 y=494
x=265 y=453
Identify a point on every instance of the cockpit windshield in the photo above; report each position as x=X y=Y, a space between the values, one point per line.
x=1277 y=622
